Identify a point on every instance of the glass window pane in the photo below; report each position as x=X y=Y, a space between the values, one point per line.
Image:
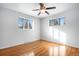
x=51 y=22
x=62 y=21
x=55 y=22
x=30 y=24
x=21 y=23
x=26 y=24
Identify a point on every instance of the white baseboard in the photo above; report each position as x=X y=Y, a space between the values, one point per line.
x=76 y=46
x=15 y=44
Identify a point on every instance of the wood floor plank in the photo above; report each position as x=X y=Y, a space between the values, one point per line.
x=37 y=48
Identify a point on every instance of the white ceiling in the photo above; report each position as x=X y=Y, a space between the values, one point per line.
x=27 y=8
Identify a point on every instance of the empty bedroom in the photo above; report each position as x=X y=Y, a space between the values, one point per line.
x=39 y=29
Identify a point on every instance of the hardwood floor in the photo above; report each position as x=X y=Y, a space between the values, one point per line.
x=40 y=48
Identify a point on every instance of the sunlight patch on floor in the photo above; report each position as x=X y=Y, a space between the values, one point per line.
x=57 y=51
x=29 y=54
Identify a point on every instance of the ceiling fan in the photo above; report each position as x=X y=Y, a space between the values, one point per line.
x=43 y=9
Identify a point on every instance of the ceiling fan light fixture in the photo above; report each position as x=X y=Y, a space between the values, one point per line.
x=42 y=11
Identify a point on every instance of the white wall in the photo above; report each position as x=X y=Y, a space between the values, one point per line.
x=71 y=28
x=9 y=31
x=11 y=36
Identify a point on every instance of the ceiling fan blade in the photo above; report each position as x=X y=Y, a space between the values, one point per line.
x=35 y=9
x=39 y=13
x=50 y=8
x=47 y=12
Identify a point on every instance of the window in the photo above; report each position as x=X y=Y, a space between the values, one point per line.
x=24 y=23
x=51 y=22
x=30 y=24
x=61 y=21
x=58 y=21
x=55 y=32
